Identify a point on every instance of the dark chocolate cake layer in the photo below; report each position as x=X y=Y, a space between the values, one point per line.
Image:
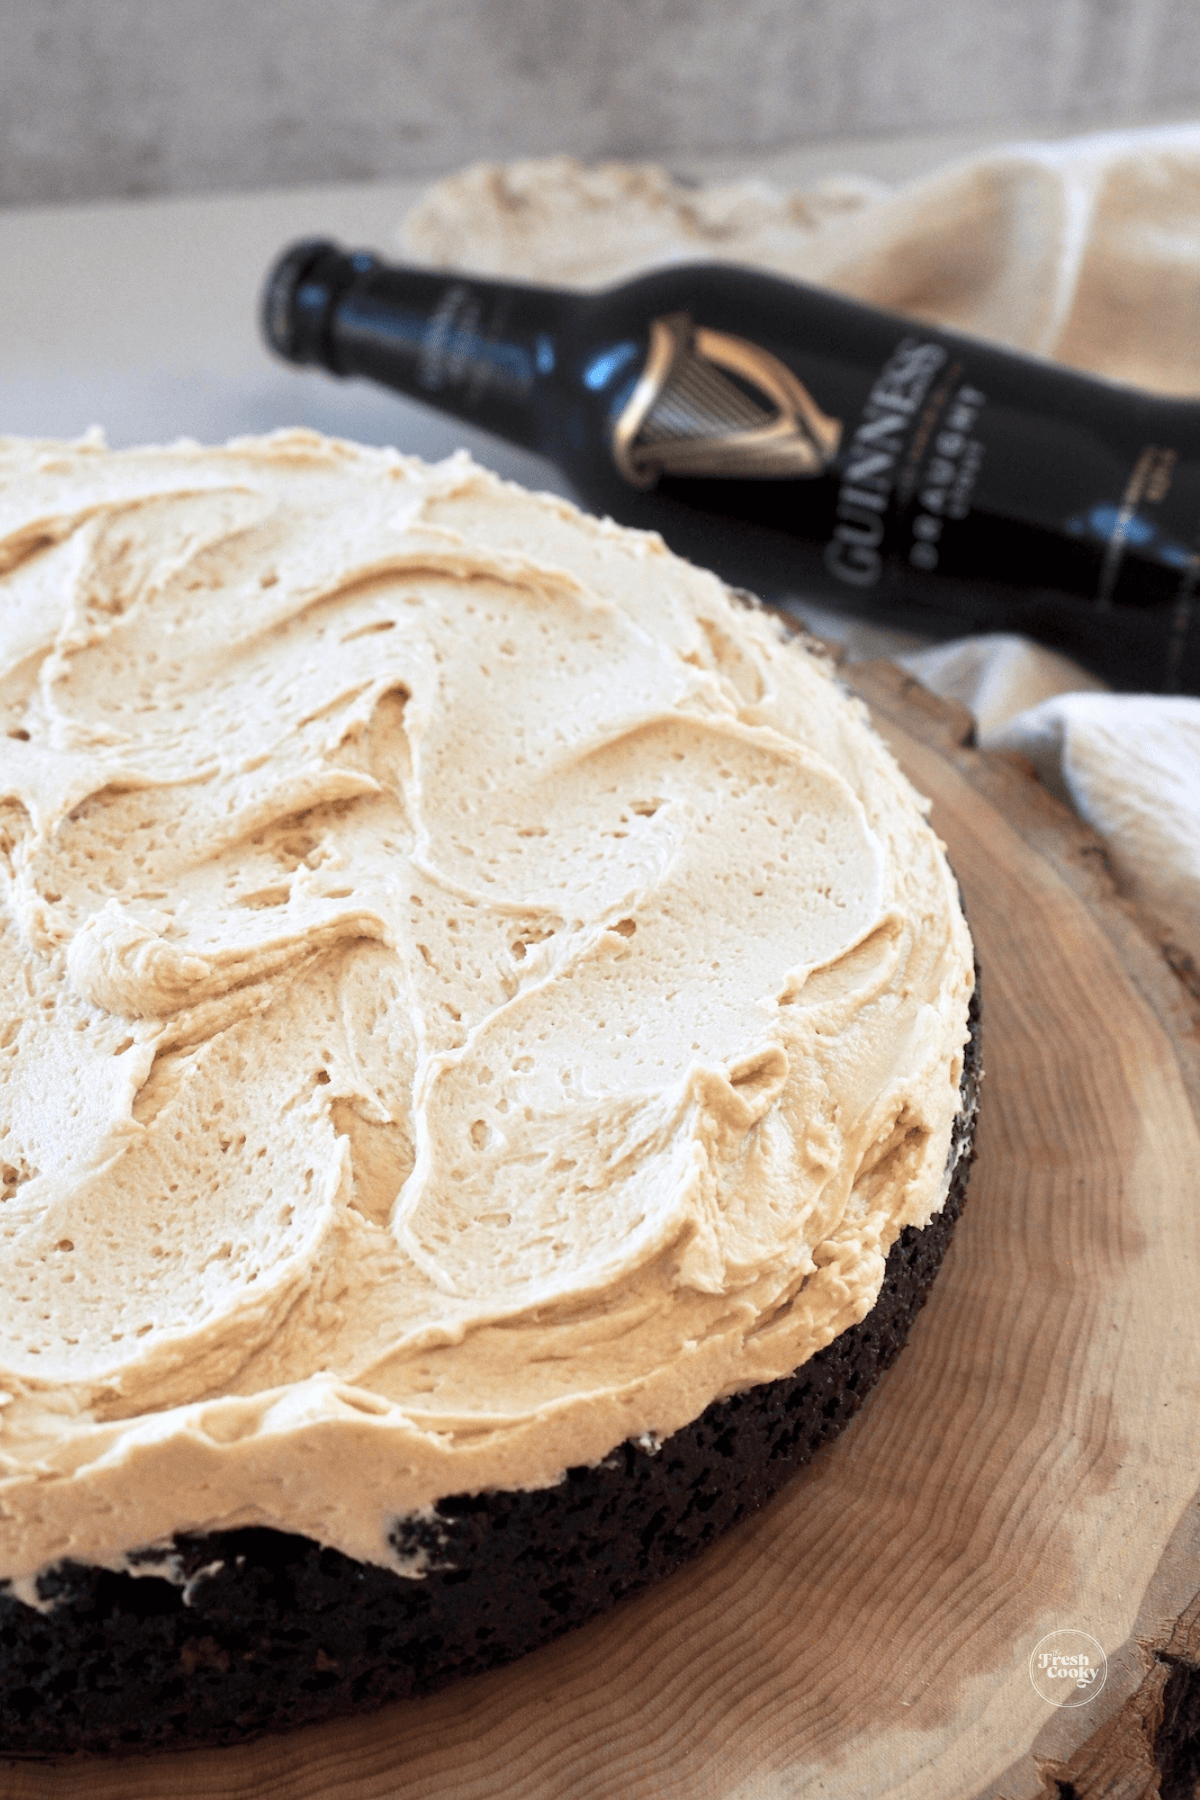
x=265 y=1631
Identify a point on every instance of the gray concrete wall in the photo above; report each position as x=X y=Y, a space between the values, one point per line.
x=124 y=97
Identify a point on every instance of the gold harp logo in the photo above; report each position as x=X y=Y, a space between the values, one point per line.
x=707 y=404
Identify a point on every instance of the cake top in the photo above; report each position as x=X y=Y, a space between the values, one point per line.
x=473 y=992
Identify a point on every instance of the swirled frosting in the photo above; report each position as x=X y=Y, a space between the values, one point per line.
x=470 y=993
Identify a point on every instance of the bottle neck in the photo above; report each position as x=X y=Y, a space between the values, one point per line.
x=485 y=351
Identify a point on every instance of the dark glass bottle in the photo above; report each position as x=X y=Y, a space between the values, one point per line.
x=797 y=442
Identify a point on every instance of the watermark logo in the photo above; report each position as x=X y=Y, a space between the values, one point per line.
x=1068 y=1668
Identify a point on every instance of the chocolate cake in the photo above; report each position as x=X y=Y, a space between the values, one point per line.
x=490 y=1068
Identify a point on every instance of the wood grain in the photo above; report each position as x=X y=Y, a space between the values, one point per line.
x=1031 y=1463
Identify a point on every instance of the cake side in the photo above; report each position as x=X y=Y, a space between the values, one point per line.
x=258 y=1630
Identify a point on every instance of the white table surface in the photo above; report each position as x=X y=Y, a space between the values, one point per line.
x=141 y=317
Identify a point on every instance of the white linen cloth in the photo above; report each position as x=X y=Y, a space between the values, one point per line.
x=1087 y=251
x=1128 y=763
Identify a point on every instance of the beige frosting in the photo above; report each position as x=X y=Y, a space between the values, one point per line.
x=471 y=993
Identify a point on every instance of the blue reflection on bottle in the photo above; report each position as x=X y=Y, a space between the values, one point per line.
x=1138 y=533
x=600 y=371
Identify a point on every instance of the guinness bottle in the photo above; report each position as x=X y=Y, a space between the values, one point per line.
x=797 y=442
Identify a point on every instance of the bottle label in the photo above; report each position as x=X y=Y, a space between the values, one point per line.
x=453 y=328
x=913 y=442
x=463 y=357
x=711 y=405
x=1149 y=482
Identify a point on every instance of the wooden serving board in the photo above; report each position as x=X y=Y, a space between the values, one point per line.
x=1031 y=1464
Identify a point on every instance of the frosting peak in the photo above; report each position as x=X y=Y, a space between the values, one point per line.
x=469 y=993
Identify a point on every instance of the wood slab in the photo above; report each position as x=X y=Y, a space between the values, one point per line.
x=1031 y=1463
